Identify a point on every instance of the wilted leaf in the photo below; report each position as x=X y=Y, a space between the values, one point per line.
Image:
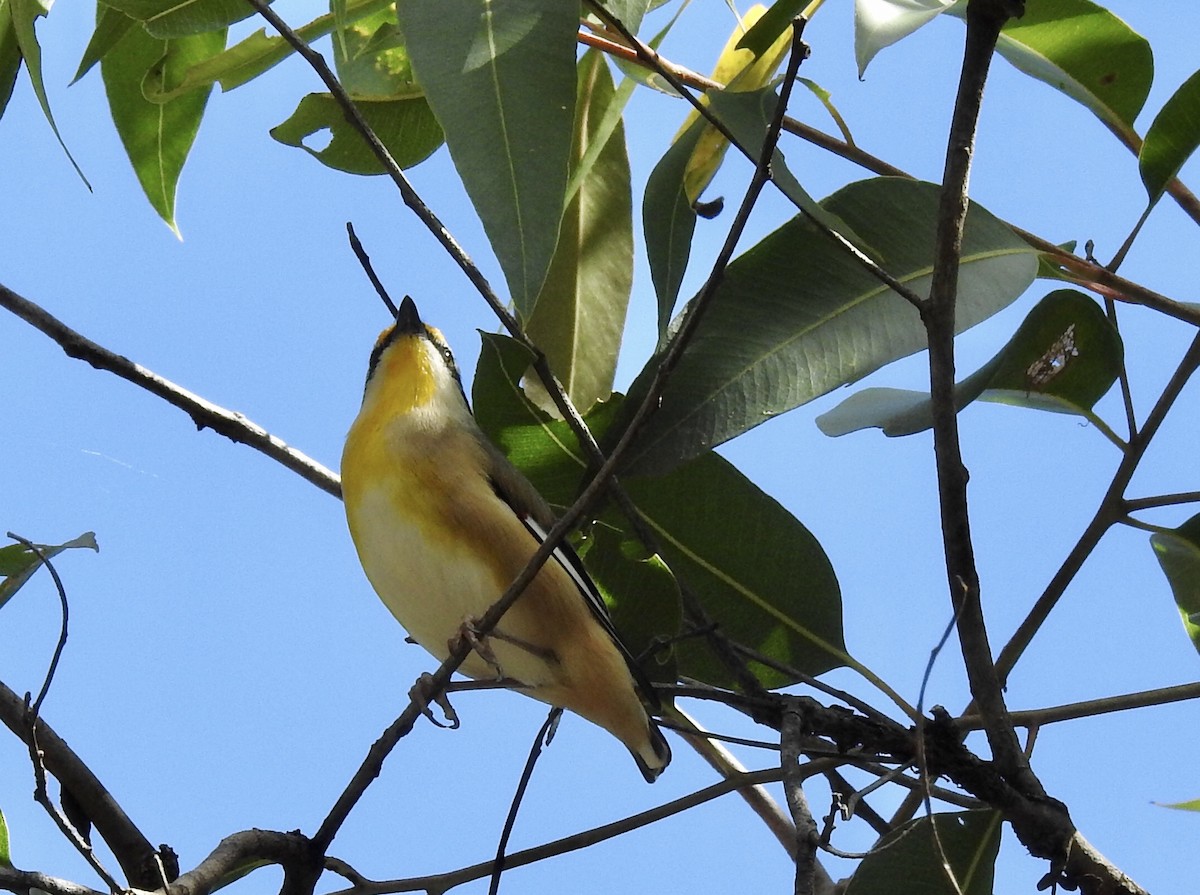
x=1064 y=357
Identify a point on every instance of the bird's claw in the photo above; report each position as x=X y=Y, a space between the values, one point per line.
x=423 y=692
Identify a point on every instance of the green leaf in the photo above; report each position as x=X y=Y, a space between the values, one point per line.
x=111 y=26
x=629 y=12
x=771 y=588
x=1178 y=553
x=1193 y=805
x=372 y=62
x=748 y=115
x=500 y=76
x=5 y=851
x=157 y=136
x=249 y=58
x=881 y=23
x=1063 y=358
x=580 y=312
x=10 y=55
x=668 y=221
x=1084 y=51
x=18 y=562
x=642 y=596
x=1172 y=138
x=545 y=449
x=796 y=316
x=183 y=18
x=21 y=15
x=774 y=22
x=908 y=861
x=405 y=126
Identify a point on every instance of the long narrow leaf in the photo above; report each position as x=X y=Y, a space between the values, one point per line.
x=500 y=76
x=1172 y=138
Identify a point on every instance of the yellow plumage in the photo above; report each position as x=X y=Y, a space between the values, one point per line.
x=443 y=524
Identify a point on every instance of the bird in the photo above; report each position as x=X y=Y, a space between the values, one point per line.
x=443 y=523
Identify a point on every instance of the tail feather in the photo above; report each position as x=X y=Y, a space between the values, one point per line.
x=654 y=755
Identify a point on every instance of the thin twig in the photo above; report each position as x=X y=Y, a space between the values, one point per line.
x=36 y=709
x=442 y=882
x=365 y=261
x=545 y=732
x=1092 y=707
x=1112 y=507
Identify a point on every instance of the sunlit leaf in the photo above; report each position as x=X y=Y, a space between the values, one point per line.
x=5 y=848
x=796 y=316
x=1178 y=553
x=111 y=26
x=10 y=55
x=1064 y=357
x=740 y=71
x=181 y=18
x=761 y=36
x=642 y=596
x=405 y=126
x=157 y=136
x=21 y=16
x=250 y=57
x=881 y=23
x=826 y=100
x=909 y=860
x=18 y=562
x=1193 y=805
x=371 y=60
x=579 y=316
x=1086 y=52
x=500 y=76
x=1172 y=138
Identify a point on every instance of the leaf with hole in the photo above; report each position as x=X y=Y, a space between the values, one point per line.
x=797 y=316
x=1063 y=358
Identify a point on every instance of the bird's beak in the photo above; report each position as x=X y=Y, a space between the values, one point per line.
x=408 y=320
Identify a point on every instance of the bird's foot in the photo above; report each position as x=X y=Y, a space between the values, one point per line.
x=470 y=632
x=422 y=693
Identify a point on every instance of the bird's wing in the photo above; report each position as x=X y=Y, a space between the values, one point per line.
x=511 y=485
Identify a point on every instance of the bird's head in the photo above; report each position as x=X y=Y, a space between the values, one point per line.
x=411 y=367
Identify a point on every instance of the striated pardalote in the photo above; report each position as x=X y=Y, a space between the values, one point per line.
x=443 y=524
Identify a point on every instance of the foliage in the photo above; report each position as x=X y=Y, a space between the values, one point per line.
x=838 y=290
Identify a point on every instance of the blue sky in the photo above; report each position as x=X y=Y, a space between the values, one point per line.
x=228 y=665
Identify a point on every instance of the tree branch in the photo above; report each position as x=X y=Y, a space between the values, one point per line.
x=204 y=414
